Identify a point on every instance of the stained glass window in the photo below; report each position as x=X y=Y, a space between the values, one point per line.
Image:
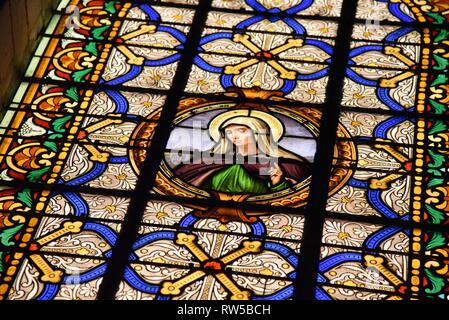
x=230 y=150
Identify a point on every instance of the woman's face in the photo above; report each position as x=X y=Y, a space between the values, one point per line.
x=239 y=135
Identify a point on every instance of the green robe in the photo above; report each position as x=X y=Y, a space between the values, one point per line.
x=235 y=179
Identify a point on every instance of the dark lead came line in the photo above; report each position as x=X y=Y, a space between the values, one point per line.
x=305 y=284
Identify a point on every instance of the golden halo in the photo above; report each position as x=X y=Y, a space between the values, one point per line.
x=275 y=125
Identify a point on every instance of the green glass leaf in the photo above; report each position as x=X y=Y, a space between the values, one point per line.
x=73 y=94
x=438 y=18
x=25 y=197
x=436 y=215
x=78 y=76
x=438 y=159
x=91 y=47
x=36 y=175
x=109 y=7
x=438 y=108
x=438 y=126
x=1 y=262
x=442 y=35
x=441 y=79
x=438 y=240
x=58 y=125
x=55 y=136
x=436 y=282
x=97 y=33
x=441 y=63
x=435 y=182
x=7 y=234
x=51 y=146
x=435 y=172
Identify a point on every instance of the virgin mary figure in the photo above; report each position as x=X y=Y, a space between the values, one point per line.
x=246 y=157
